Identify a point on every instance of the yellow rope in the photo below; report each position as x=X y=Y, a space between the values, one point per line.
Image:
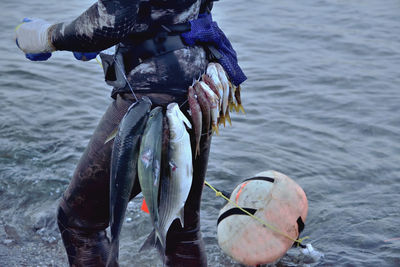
x=98 y=61
x=219 y=194
x=19 y=25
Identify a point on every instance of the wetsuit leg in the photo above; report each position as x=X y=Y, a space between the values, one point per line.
x=83 y=214
x=185 y=246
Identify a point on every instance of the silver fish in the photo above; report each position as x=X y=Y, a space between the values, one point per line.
x=180 y=171
x=153 y=240
x=149 y=163
x=123 y=168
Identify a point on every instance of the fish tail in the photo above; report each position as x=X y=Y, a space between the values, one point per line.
x=149 y=242
x=154 y=240
x=112 y=260
x=222 y=120
x=231 y=106
x=181 y=217
x=215 y=129
x=161 y=240
x=240 y=107
x=228 y=118
x=112 y=135
x=237 y=108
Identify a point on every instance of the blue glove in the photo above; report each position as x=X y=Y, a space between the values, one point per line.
x=85 y=56
x=34 y=37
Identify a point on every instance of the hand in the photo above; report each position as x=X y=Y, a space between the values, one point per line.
x=85 y=56
x=32 y=38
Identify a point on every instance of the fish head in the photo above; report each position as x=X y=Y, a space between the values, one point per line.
x=145 y=99
x=155 y=114
x=137 y=111
x=177 y=121
x=212 y=70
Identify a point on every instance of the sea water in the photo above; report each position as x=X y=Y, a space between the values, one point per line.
x=322 y=105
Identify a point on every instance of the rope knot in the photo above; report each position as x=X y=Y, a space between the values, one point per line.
x=300 y=241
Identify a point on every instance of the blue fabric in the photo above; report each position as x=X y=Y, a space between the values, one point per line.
x=205 y=31
x=36 y=57
x=85 y=56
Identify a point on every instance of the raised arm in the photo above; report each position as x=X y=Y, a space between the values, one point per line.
x=103 y=25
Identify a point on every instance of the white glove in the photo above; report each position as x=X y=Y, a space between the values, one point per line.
x=32 y=36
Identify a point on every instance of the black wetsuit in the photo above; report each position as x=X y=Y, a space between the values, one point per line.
x=109 y=22
x=83 y=214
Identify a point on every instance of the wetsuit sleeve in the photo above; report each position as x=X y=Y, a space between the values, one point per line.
x=103 y=25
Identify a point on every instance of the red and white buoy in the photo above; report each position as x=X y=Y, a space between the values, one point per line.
x=275 y=199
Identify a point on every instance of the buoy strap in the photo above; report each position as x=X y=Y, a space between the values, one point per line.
x=300 y=224
x=235 y=211
x=262 y=178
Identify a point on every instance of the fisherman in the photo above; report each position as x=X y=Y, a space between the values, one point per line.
x=151 y=59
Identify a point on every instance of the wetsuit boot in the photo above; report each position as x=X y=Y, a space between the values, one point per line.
x=85 y=246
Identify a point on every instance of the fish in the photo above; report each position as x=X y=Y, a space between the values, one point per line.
x=213 y=100
x=124 y=167
x=205 y=109
x=225 y=97
x=149 y=163
x=239 y=100
x=180 y=174
x=205 y=78
x=231 y=99
x=152 y=240
x=212 y=72
x=197 y=119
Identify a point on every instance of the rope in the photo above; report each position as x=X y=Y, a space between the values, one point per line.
x=98 y=61
x=126 y=79
x=219 y=194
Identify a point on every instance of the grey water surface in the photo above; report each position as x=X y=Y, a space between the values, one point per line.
x=322 y=106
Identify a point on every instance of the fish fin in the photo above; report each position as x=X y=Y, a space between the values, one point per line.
x=112 y=260
x=185 y=120
x=228 y=118
x=237 y=108
x=240 y=107
x=150 y=242
x=154 y=240
x=181 y=216
x=112 y=135
x=215 y=129
x=231 y=106
x=161 y=240
x=230 y=84
x=222 y=120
